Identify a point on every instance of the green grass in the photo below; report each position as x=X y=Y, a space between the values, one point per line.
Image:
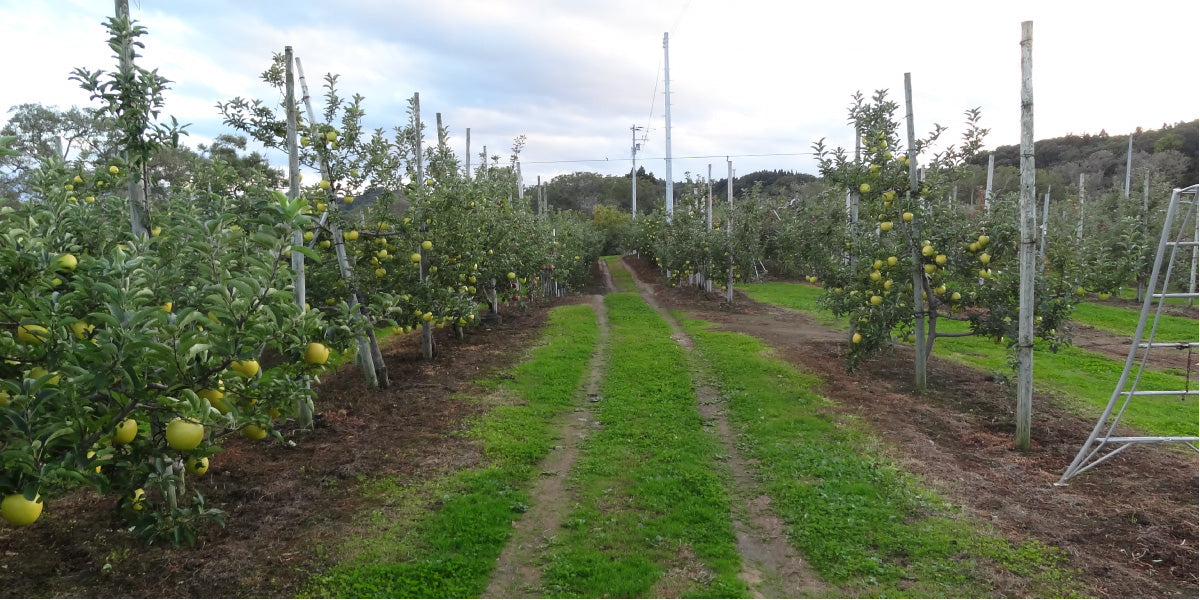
x=1130 y=293
x=1084 y=378
x=795 y=296
x=863 y=523
x=650 y=493
x=450 y=551
x=1123 y=321
x=621 y=277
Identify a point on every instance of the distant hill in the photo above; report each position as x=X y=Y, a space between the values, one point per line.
x=1170 y=153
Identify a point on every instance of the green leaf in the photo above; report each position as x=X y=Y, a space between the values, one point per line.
x=308 y=252
x=197 y=349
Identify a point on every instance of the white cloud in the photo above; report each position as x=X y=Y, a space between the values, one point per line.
x=753 y=77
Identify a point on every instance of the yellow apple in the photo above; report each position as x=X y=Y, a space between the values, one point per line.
x=316 y=353
x=125 y=432
x=184 y=435
x=20 y=512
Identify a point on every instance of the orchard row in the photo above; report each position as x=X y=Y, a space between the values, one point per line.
x=129 y=356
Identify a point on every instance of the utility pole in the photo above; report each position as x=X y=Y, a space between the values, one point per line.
x=667 y=93
x=468 y=155
x=633 y=129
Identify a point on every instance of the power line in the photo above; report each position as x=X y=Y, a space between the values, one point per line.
x=587 y=160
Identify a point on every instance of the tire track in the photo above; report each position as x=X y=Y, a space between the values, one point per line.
x=518 y=572
x=770 y=565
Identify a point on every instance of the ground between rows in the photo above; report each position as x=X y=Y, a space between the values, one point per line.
x=1129 y=526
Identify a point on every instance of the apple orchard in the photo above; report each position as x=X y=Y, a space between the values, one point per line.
x=140 y=331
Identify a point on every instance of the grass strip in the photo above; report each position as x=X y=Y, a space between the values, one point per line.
x=652 y=517
x=863 y=523
x=416 y=552
x=795 y=296
x=1122 y=321
x=620 y=276
x=1086 y=379
x=1130 y=293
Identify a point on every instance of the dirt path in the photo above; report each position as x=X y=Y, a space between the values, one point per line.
x=1128 y=527
x=517 y=574
x=770 y=565
x=1117 y=347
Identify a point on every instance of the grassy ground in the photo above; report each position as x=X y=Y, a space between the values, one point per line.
x=621 y=278
x=1123 y=321
x=652 y=515
x=450 y=551
x=864 y=524
x=1084 y=378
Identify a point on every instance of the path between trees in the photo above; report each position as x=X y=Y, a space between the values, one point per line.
x=771 y=567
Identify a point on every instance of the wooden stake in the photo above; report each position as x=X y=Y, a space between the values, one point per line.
x=372 y=365
x=987 y=192
x=427 y=349
x=729 y=231
x=139 y=214
x=921 y=348
x=1079 y=227
x=1042 y=237
x=1027 y=250
x=293 y=172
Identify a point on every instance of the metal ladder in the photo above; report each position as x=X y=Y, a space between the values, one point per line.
x=1103 y=444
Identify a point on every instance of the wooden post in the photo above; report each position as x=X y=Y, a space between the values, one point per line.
x=1141 y=277
x=987 y=192
x=139 y=214
x=520 y=183
x=468 y=155
x=372 y=363
x=1128 y=166
x=921 y=345
x=427 y=349
x=1079 y=227
x=1027 y=250
x=709 y=208
x=293 y=172
x=1042 y=237
x=729 y=231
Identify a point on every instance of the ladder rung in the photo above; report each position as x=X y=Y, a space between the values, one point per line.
x=1148 y=439
x=1190 y=243
x=1162 y=393
x=1179 y=345
x=1178 y=295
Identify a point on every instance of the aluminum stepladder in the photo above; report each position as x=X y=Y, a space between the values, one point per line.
x=1103 y=443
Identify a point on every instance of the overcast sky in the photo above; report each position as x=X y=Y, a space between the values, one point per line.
x=750 y=77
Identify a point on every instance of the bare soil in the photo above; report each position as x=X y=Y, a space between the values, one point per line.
x=1129 y=527
x=287 y=506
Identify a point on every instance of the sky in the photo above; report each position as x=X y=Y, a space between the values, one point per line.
x=757 y=81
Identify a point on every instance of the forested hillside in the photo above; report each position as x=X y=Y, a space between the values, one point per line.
x=1169 y=153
